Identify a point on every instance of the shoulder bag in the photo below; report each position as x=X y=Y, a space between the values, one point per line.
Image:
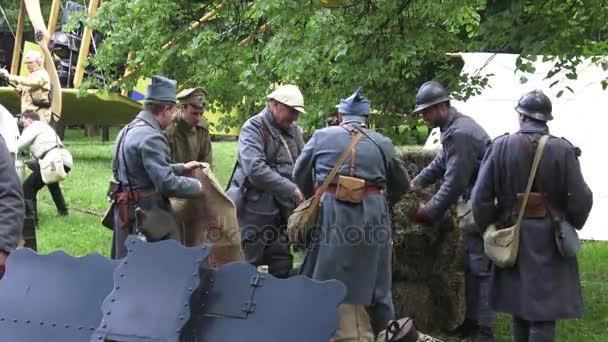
x=502 y=245
x=304 y=216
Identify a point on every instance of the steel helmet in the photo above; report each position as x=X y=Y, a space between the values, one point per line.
x=536 y=105
x=429 y=94
x=289 y=95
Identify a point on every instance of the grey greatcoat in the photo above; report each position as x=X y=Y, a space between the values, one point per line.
x=353 y=243
x=144 y=164
x=262 y=189
x=12 y=208
x=464 y=143
x=543 y=285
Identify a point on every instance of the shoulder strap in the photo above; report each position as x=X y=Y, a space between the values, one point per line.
x=535 y=163
x=286 y=145
x=360 y=129
x=334 y=171
x=265 y=133
x=119 y=148
x=265 y=137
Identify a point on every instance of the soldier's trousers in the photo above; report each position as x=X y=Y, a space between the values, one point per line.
x=477 y=282
x=526 y=331
x=354 y=324
x=265 y=242
x=33 y=183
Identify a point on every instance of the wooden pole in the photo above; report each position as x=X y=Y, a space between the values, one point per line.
x=125 y=92
x=15 y=65
x=249 y=38
x=85 y=45
x=196 y=25
x=54 y=17
x=193 y=27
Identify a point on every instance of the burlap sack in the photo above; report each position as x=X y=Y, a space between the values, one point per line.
x=210 y=219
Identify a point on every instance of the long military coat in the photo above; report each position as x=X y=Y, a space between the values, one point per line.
x=143 y=162
x=262 y=186
x=12 y=208
x=464 y=143
x=354 y=240
x=543 y=285
x=189 y=143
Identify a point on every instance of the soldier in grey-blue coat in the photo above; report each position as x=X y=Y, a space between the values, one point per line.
x=141 y=166
x=543 y=286
x=353 y=241
x=463 y=146
x=12 y=207
x=261 y=186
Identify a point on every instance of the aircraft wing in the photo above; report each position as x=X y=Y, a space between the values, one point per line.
x=96 y=107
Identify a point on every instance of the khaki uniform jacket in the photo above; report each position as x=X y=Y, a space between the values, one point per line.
x=36 y=84
x=189 y=143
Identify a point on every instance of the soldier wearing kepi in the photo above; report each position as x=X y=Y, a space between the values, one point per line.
x=188 y=133
x=464 y=143
x=543 y=286
x=145 y=177
x=262 y=187
x=354 y=238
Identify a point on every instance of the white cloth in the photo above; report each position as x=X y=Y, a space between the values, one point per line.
x=9 y=129
x=40 y=138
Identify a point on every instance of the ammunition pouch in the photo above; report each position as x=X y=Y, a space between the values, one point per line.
x=536 y=207
x=350 y=189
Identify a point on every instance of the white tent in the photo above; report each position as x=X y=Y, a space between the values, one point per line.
x=580 y=116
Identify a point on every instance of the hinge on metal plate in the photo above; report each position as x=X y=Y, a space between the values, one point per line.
x=257 y=280
x=248 y=307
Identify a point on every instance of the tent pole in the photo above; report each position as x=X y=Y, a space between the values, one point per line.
x=18 y=40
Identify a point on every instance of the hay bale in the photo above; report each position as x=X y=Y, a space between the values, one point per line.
x=415 y=159
x=417 y=248
x=428 y=261
x=436 y=305
x=450 y=252
x=449 y=303
x=414 y=300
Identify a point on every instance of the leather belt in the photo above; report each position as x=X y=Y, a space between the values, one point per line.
x=369 y=190
x=135 y=195
x=537 y=205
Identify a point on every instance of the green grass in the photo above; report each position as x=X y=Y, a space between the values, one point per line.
x=84 y=191
x=81 y=233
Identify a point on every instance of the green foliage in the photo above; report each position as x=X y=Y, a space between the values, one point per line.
x=389 y=47
x=11 y=8
x=563 y=31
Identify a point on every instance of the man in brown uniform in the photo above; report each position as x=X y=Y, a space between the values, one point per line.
x=188 y=133
x=33 y=89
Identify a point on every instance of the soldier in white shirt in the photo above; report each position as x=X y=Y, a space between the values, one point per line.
x=9 y=130
x=40 y=138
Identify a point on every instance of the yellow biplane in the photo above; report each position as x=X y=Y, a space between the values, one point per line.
x=95 y=107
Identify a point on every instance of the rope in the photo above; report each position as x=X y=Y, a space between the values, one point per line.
x=9 y=26
x=85 y=211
